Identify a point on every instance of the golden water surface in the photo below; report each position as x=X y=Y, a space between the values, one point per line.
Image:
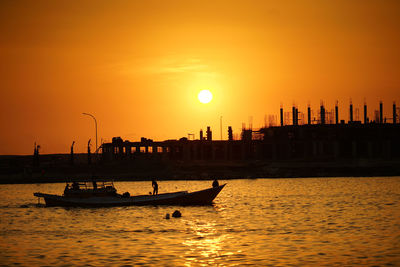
x=268 y=222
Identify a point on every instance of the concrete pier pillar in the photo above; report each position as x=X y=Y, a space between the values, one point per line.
x=394 y=114
x=365 y=114
x=336 y=114
x=294 y=116
x=351 y=112
x=322 y=114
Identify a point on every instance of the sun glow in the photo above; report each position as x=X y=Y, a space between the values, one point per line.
x=205 y=96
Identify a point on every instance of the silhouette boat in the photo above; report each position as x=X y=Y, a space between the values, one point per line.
x=103 y=194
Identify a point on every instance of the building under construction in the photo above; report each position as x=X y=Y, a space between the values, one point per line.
x=306 y=136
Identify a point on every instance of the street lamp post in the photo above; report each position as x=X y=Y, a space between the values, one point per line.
x=95 y=124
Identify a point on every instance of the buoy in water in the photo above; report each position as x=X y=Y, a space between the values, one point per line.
x=177 y=214
x=167 y=216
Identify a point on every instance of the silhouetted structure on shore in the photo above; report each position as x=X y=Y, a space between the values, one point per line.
x=36 y=161
x=304 y=145
x=319 y=139
x=71 y=160
x=89 y=153
x=314 y=142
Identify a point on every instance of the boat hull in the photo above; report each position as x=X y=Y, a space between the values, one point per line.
x=203 y=197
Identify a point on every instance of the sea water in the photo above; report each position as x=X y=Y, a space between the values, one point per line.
x=264 y=222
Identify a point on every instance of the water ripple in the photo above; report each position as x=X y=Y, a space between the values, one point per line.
x=268 y=222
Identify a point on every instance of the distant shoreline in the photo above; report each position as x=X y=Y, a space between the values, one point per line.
x=55 y=169
x=49 y=181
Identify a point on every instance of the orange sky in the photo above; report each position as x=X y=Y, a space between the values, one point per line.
x=139 y=65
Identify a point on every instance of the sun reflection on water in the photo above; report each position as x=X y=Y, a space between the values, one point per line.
x=207 y=241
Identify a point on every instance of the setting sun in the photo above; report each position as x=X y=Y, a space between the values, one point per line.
x=205 y=96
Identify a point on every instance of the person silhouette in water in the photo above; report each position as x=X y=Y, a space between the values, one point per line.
x=215 y=183
x=155 y=186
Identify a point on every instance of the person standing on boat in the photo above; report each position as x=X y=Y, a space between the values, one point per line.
x=155 y=186
x=66 y=188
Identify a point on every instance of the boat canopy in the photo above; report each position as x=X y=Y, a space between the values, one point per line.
x=90 y=185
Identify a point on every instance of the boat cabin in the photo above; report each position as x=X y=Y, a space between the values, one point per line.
x=89 y=189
